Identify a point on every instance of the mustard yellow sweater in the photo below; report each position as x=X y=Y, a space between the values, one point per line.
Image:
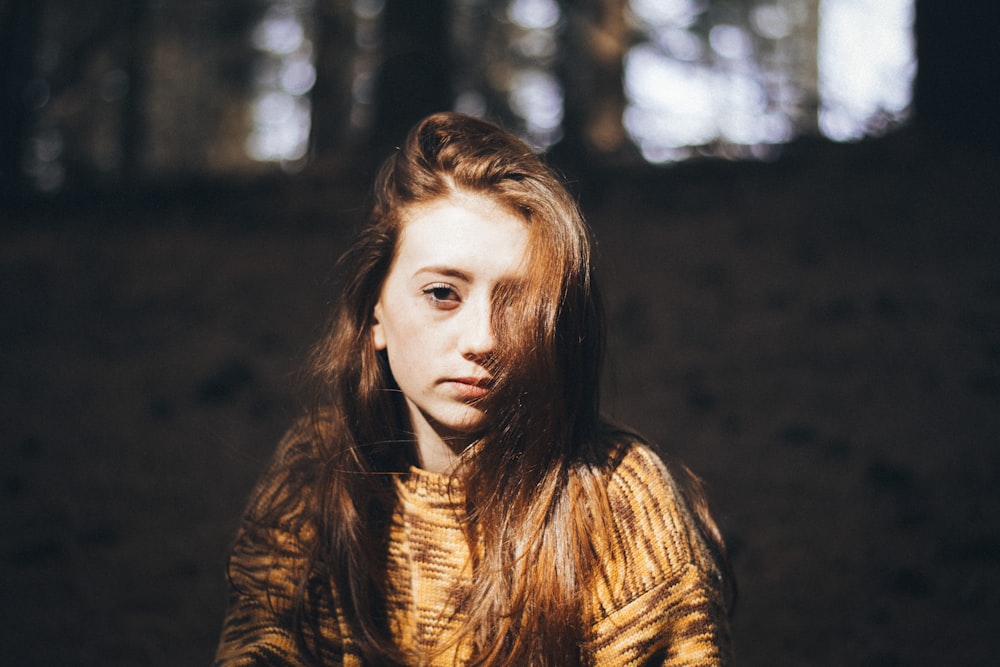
x=659 y=601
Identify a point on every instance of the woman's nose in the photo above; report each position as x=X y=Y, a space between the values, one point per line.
x=477 y=338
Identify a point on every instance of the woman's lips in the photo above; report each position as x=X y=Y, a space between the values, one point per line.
x=469 y=388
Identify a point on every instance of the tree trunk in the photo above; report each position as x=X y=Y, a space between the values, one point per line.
x=332 y=94
x=958 y=76
x=133 y=106
x=414 y=79
x=19 y=27
x=591 y=67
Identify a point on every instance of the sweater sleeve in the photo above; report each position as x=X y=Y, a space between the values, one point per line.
x=265 y=570
x=661 y=600
x=258 y=628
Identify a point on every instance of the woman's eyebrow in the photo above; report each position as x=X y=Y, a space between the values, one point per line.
x=448 y=271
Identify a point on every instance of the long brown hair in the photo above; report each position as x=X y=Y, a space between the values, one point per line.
x=534 y=481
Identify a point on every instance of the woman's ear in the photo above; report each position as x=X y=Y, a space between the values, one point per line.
x=378 y=334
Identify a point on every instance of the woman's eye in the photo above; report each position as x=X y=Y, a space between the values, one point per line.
x=441 y=295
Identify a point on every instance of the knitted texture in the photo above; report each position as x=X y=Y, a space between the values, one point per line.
x=659 y=601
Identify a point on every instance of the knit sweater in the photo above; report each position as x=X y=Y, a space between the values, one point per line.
x=659 y=601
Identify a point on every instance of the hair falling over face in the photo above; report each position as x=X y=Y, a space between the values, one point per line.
x=534 y=478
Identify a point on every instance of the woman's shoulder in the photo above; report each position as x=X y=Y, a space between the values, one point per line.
x=649 y=506
x=635 y=465
x=300 y=439
x=286 y=486
x=640 y=478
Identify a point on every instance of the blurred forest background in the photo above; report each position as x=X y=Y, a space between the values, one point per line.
x=796 y=204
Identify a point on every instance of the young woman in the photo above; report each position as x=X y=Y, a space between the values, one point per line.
x=454 y=497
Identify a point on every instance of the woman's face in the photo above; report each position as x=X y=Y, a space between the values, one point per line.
x=433 y=317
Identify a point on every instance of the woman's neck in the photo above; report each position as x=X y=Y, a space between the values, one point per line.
x=439 y=459
x=434 y=452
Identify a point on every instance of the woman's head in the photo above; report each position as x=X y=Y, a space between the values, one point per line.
x=546 y=324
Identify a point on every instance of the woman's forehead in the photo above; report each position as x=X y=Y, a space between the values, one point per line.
x=464 y=233
x=473 y=201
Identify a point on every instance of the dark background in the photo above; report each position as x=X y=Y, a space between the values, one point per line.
x=818 y=336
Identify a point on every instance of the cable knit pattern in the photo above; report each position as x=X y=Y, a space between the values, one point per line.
x=430 y=565
x=657 y=603
x=660 y=599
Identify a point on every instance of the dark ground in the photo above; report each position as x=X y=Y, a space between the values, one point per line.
x=818 y=337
